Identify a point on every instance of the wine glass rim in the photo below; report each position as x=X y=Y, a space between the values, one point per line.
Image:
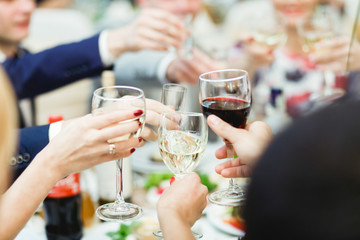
x=177 y=85
x=244 y=74
x=141 y=95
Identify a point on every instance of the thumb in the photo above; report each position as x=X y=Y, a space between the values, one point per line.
x=221 y=128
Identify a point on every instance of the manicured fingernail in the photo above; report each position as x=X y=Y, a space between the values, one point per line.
x=138 y=113
x=214 y=120
x=172 y=179
x=270 y=52
x=140 y=139
x=132 y=150
x=139 y=123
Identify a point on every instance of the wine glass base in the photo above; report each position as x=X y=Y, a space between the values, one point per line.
x=228 y=198
x=158 y=234
x=113 y=212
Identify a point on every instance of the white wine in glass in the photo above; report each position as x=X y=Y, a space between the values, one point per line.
x=182 y=142
x=110 y=99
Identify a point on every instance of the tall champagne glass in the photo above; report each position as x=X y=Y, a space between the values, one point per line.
x=117 y=98
x=182 y=142
x=226 y=94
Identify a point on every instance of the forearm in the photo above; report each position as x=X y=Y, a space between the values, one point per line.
x=175 y=229
x=22 y=199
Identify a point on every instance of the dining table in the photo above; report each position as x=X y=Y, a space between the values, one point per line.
x=211 y=223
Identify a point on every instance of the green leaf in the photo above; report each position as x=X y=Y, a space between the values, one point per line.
x=154 y=179
x=206 y=181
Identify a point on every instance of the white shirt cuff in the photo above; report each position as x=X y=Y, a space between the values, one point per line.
x=106 y=57
x=54 y=129
x=163 y=65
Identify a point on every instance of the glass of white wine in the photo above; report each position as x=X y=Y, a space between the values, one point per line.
x=182 y=142
x=110 y=99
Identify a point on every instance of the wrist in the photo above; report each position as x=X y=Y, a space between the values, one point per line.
x=116 y=42
x=46 y=162
x=171 y=216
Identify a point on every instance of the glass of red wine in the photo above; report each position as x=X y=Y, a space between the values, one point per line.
x=227 y=94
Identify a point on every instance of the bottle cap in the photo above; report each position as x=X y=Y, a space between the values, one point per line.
x=55 y=118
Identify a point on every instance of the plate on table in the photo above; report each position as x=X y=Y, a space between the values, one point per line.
x=141 y=159
x=216 y=215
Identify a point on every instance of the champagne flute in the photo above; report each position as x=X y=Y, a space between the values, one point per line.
x=174 y=95
x=117 y=98
x=227 y=94
x=182 y=142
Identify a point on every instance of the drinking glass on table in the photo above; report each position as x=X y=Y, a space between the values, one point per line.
x=227 y=94
x=182 y=142
x=110 y=99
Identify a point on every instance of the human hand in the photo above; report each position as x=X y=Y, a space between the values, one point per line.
x=83 y=142
x=184 y=201
x=332 y=55
x=154 y=109
x=248 y=145
x=183 y=70
x=154 y=29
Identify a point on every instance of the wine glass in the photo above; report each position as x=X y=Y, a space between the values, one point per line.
x=267 y=30
x=227 y=94
x=117 y=98
x=173 y=95
x=320 y=27
x=182 y=142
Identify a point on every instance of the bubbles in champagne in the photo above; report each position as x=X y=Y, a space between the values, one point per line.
x=181 y=151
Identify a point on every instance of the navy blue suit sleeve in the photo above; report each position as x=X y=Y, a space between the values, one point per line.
x=31 y=141
x=33 y=74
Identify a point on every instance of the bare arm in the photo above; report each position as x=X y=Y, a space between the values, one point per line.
x=81 y=144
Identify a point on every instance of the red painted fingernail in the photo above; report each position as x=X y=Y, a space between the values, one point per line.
x=138 y=113
x=251 y=39
x=132 y=150
x=270 y=51
x=172 y=179
x=140 y=139
x=139 y=123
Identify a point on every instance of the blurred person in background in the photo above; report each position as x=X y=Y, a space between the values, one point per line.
x=300 y=74
x=33 y=74
x=184 y=65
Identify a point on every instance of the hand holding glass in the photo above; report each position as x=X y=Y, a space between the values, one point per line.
x=227 y=94
x=182 y=142
x=116 y=98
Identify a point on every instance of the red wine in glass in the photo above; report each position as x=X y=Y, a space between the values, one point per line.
x=231 y=110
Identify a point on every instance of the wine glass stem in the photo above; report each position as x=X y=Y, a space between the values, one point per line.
x=119 y=183
x=230 y=155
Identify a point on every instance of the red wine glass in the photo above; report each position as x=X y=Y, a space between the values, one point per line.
x=227 y=94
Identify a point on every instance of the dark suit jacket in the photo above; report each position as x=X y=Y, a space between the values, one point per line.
x=34 y=74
